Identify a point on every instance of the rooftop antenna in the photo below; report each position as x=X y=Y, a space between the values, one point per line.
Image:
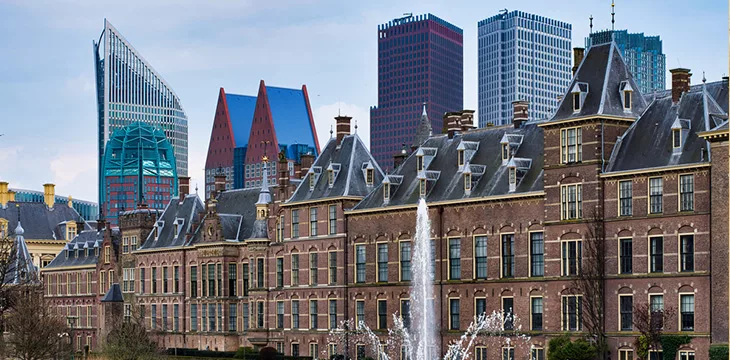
x=613 y=14
x=331 y=132
x=196 y=188
x=356 y=126
x=504 y=11
x=704 y=80
x=591 y=25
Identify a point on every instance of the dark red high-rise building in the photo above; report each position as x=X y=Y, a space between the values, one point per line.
x=420 y=60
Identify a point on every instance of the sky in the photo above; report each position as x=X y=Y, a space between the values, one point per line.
x=47 y=92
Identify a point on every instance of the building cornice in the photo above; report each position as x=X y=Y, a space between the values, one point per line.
x=63 y=268
x=654 y=170
x=331 y=199
x=451 y=202
x=714 y=134
x=585 y=118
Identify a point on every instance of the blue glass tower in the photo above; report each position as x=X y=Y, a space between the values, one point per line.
x=521 y=57
x=129 y=90
x=642 y=54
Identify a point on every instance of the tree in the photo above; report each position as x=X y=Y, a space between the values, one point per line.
x=129 y=340
x=590 y=281
x=649 y=322
x=35 y=332
x=561 y=348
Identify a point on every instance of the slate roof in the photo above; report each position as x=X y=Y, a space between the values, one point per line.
x=40 y=222
x=185 y=212
x=237 y=210
x=240 y=112
x=446 y=180
x=350 y=159
x=603 y=70
x=82 y=249
x=648 y=142
x=20 y=269
x=114 y=294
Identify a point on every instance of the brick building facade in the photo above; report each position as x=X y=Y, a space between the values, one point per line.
x=511 y=210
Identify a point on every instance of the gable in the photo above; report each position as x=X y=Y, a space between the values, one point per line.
x=220 y=147
x=262 y=130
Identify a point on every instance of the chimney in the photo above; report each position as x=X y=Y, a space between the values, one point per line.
x=219 y=184
x=307 y=160
x=578 y=54
x=100 y=223
x=343 y=127
x=400 y=156
x=680 y=83
x=4 y=195
x=451 y=119
x=49 y=194
x=724 y=82
x=467 y=120
x=282 y=168
x=70 y=201
x=183 y=183
x=519 y=113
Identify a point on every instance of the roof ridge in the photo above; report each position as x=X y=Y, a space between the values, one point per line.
x=604 y=89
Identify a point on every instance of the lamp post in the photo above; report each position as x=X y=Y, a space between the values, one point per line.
x=71 y=323
x=60 y=341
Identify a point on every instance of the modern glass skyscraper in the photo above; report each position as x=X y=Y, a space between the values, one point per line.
x=643 y=55
x=420 y=60
x=521 y=57
x=128 y=90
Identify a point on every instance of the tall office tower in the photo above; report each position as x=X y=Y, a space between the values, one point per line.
x=420 y=60
x=643 y=56
x=128 y=90
x=521 y=57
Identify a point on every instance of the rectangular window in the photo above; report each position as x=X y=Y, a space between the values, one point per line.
x=508 y=255
x=333 y=219
x=383 y=262
x=313 y=269
x=175 y=317
x=656 y=308
x=480 y=307
x=211 y=279
x=279 y=272
x=359 y=352
x=219 y=279
x=686 y=355
x=480 y=256
x=232 y=272
x=537 y=254
x=211 y=317
x=572 y=259
x=626 y=354
x=245 y=272
x=279 y=314
x=454 y=312
x=625 y=197
x=687 y=312
x=480 y=353
x=656 y=249
x=405 y=261
x=508 y=353
x=260 y=272
x=686 y=193
x=295 y=350
x=626 y=304
x=656 y=192
x=246 y=316
x=536 y=314
x=154 y=280
x=454 y=259
x=164 y=280
x=332 y=267
x=333 y=314
x=294 y=269
x=280 y=229
x=260 y=320
x=382 y=314
x=405 y=312
x=194 y=317
x=359 y=263
x=359 y=312
x=295 y=314
x=313 y=314
x=314 y=351
x=572 y=318
x=538 y=354
x=508 y=311
x=313 y=221
x=571 y=202
x=176 y=279
x=153 y=317
x=625 y=258
x=571 y=145
x=232 y=317
x=687 y=252
x=295 y=224
x=142 y=281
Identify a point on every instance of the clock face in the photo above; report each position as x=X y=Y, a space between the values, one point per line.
x=210 y=230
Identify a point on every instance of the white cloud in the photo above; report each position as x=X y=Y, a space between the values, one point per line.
x=324 y=119
x=74 y=172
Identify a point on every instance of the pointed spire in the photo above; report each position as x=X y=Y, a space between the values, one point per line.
x=591 y=23
x=264 y=195
x=22 y=269
x=424 y=130
x=613 y=14
x=424 y=110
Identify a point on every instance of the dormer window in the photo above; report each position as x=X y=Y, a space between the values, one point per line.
x=576 y=102
x=68 y=251
x=505 y=151
x=155 y=233
x=627 y=100
x=467 y=182
x=330 y=177
x=419 y=159
x=76 y=253
x=626 y=92
x=175 y=227
x=676 y=138
x=369 y=175
x=422 y=187
x=578 y=95
x=70 y=230
x=461 y=157
x=312 y=181
x=386 y=192
x=512 y=178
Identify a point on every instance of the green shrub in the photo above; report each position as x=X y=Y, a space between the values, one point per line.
x=718 y=352
x=245 y=352
x=671 y=343
x=561 y=348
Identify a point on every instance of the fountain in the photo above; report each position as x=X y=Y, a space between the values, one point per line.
x=420 y=340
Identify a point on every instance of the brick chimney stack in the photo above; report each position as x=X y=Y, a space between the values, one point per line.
x=183 y=187
x=400 y=156
x=578 y=54
x=680 y=82
x=453 y=124
x=307 y=161
x=343 y=127
x=49 y=195
x=282 y=168
x=219 y=185
x=519 y=113
x=466 y=120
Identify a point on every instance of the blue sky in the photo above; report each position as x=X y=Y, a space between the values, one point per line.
x=47 y=105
